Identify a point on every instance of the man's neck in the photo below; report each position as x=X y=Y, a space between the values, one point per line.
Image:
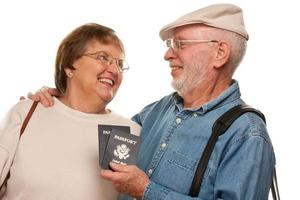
x=204 y=93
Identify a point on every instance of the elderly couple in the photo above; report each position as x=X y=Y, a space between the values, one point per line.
x=57 y=156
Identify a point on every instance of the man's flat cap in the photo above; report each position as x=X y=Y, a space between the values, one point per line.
x=224 y=16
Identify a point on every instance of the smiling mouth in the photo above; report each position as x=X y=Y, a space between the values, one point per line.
x=175 y=67
x=106 y=81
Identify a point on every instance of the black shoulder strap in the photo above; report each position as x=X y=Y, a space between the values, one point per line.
x=220 y=126
x=224 y=122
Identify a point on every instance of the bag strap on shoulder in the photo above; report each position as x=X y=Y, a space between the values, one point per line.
x=224 y=122
x=28 y=116
x=24 y=124
x=220 y=126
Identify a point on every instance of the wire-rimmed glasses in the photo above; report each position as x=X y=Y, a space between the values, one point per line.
x=106 y=59
x=176 y=44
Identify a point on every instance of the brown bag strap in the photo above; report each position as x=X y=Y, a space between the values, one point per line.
x=28 y=116
x=25 y=122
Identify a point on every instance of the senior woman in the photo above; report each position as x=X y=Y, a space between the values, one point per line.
x=57 y=156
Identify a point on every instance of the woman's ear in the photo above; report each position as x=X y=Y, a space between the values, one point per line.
x=69 y=72
x=222 y=55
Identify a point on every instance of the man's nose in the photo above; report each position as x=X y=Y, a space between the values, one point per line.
x=170 y=54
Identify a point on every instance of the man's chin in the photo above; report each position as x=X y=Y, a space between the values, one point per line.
x=177 y=85
x=181 y=88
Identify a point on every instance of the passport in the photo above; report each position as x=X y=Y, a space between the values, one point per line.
x=104 y=132
x=122 y=148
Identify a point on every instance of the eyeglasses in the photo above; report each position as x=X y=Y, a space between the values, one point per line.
x=107 y=60
x=177 y=44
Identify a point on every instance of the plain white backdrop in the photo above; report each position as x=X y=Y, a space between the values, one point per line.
x=31 y=31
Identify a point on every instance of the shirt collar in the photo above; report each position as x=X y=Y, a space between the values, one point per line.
x=230 y=94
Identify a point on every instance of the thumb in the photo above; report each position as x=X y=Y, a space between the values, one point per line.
x=118 y=167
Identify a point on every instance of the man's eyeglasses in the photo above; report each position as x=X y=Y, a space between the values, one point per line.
x=177 y=44
x=108 y=60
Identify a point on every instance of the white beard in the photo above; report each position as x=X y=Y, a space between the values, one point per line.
x=191 y=78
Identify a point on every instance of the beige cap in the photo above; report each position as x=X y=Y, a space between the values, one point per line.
x=224 y=16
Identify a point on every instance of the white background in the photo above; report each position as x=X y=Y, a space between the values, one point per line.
x=32 y=30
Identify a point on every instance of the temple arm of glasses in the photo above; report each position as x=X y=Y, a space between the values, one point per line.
x=197 y=41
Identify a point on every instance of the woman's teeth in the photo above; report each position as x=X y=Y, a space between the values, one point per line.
x=105 y=80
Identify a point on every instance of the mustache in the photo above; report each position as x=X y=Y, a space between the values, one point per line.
x=171 y=65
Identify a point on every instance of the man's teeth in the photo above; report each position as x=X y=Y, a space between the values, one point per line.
x=175 y=67
x=105 y=80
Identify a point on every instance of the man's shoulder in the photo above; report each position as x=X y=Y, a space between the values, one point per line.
x=249 y=125
x=161 y=103
x=154 y=108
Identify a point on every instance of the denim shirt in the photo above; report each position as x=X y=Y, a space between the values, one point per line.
x=173 y=139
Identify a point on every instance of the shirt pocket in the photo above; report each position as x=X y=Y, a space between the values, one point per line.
x=175 y=171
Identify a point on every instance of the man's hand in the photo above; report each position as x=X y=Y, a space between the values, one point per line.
x=127 y=179
x=44 y=96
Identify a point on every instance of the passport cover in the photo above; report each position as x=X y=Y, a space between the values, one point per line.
x=104 y=132
x=122 y=148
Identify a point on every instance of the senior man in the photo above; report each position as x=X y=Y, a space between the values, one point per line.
x=204 y=49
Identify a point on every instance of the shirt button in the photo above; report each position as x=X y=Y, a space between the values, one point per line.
x=150 y=171
x=178 y=120
x=163 y=145
x=195 y=115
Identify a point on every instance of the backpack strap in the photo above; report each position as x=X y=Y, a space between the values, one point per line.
x=24 y=124
x=220 y=127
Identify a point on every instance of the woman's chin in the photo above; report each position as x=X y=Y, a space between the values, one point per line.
x=107 y=97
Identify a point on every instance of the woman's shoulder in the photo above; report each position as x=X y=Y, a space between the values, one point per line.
x=22 y=106
x=10 y=124
x=18 y=110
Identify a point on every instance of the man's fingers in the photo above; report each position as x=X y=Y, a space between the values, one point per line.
x=46 y=96
x=40 y=96
x=110 y=175
x=120 y=168
x=129 y=179
x=33 y=97
x=54 y=92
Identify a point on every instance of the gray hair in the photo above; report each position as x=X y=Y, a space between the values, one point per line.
x=238 y=49
x=238 y=46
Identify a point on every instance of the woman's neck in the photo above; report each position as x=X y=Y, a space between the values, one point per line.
x=86 y=105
